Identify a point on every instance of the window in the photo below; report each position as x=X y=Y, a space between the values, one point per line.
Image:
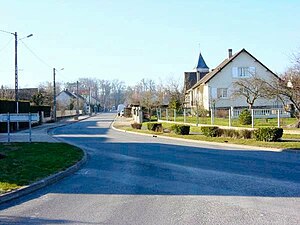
x=243 y=72
x=222 y=92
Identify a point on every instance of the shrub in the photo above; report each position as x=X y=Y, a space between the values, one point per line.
x=268 y=134
x=229 y=133
x=210 y=131
x=245 y=117
x=246 y=134
x=180 y=129
x=136 y=125
x=222 y=113
x=157 y=127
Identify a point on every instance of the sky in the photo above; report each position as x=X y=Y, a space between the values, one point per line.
x=130 y=40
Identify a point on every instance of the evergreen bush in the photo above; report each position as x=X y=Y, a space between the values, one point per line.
x=245 y=117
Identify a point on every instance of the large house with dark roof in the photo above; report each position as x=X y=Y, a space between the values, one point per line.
x=214 y=88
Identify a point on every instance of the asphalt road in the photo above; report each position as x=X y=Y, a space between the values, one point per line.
x=134 y=179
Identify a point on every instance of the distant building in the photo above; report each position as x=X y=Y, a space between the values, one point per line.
x=24 y=93
x=68 y=100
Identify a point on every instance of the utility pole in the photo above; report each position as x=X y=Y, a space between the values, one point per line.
x=90 y=101
x=77 y=105
x=16 y=76
x=16 y=69
x=54 y=96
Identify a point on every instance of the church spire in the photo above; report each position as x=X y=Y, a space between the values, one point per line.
x=201 y=65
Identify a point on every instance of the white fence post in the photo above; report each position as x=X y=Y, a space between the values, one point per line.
x=212 y=116
x=184 y=115
x=229 y=115
x=167 y=115
x=252 y=117
x=278 y=118
x=174 y=115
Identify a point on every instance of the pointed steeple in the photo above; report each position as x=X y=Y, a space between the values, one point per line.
x=201 y=65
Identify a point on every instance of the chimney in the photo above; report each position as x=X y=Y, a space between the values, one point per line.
x=229 y=53
x=198 y=76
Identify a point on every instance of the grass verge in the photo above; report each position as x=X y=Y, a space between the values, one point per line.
x=25 y=163
x=199 y=137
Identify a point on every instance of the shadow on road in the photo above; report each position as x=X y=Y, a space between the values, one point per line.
x=147 y=167
x=10 y=220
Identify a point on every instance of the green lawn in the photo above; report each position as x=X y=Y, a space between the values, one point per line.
x=251 y=142
x=25 y=163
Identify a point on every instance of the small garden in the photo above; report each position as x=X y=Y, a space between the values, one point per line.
x=263 y=137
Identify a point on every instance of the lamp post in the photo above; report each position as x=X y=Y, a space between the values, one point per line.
x=16 y=68
x=54 y=94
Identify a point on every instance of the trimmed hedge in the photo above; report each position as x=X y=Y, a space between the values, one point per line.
x=157 y=127
x=136 y=126
x=210 y=131
x=181 y=129
x=214 y=131
x=268 y=134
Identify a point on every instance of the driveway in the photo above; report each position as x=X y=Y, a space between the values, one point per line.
x=134 y=179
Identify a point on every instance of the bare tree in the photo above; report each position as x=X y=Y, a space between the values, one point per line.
x=287 y=88
x=7 y=93
x=250 y=88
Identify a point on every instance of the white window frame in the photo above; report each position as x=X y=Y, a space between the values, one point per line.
x=222 y=93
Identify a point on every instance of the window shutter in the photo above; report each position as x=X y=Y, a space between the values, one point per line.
x=214 y=92
x=235 y=72
x=252 y=71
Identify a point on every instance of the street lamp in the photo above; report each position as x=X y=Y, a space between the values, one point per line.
x=54 y=94
x=16 y=68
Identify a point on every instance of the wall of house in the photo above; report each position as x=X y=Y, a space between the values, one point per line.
x=225 y=79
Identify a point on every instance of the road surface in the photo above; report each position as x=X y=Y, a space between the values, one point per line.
x=134 y=179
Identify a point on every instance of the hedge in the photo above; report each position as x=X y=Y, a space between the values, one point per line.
x=181 y=129
x=210 y=131
x=268 y=134
x=136 y=126
x=157 y=127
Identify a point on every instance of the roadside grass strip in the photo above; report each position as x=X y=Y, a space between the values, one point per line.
x=24 y=163
x=284 y=144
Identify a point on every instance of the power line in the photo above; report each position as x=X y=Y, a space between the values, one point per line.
x=5 y=46
x=39 y=58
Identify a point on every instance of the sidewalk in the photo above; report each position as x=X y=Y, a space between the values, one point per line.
x=39 y=133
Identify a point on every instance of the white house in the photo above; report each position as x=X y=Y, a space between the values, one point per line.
x=215 y=88
x=68 y=100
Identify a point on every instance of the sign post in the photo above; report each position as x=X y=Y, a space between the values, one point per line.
x=20 y=117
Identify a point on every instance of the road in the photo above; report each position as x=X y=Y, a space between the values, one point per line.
x=134 y=179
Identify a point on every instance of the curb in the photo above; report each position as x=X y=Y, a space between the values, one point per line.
x=199 y=142
x=44 y=182
x=48 y=180
x=66 y=124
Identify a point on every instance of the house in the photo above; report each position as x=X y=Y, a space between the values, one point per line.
x=214 y=89
x=68 y=100
x=24 y=94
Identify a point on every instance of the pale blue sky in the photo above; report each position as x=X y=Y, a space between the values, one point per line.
x=131 y=40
